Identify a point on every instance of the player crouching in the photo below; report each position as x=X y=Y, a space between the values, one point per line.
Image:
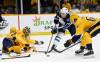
x=86 y=29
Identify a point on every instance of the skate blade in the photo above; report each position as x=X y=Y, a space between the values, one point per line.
x=88 y=57
x=53 y=51
x=4 y=55
x=81 y=54
x=17 y=56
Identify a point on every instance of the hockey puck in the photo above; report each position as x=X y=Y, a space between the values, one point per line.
x=45 y=52
x=48 y=55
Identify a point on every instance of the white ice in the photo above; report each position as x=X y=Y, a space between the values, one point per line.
x=67 y=56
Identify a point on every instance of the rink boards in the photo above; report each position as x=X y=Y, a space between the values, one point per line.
x=40 y=24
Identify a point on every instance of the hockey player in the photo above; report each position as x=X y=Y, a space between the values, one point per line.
x=22 y=39
x=85 y=30
x=62 y=22
x=17 y=41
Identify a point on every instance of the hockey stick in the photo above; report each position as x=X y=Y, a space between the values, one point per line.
x=13 y=57
x=49 y=45
x=63 y=49
x=41 y=51
x=67 y=47
x=77 y=42
x=0 y=52
x=51 y=39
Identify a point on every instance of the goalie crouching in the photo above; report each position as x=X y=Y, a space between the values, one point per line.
x=18 y=41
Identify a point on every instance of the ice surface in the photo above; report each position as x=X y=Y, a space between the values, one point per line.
x=67 y=56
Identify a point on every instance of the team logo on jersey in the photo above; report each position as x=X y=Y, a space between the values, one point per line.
x=3 y=23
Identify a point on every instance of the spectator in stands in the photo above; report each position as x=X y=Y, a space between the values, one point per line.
x=65 y=3
x=34 y=6
x=2 y=11
x=55 y=6
x=46 y=6
x=98 y=6
x=1 y=7
x=10 y=9
x=27 y=6
x=75 y=8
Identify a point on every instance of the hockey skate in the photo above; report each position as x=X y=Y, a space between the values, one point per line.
x=79 y=52
x=89 y=54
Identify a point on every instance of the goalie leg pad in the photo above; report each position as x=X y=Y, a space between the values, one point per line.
x=7 y=43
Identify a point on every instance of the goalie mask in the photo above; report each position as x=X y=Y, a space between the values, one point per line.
x=26 y=30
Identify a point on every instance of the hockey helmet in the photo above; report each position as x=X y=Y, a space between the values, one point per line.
x=64 y=10
x=26 y=30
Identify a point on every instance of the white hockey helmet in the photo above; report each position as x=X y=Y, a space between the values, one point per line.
x=64 y=10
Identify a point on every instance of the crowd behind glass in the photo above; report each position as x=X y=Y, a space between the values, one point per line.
x=48 y=6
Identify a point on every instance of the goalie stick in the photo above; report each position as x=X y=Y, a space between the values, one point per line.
x=13 y=57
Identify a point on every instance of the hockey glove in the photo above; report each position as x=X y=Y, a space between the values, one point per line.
x=68 y=43
x=54 y=31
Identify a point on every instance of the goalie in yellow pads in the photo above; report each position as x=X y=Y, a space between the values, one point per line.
x=17 y=40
